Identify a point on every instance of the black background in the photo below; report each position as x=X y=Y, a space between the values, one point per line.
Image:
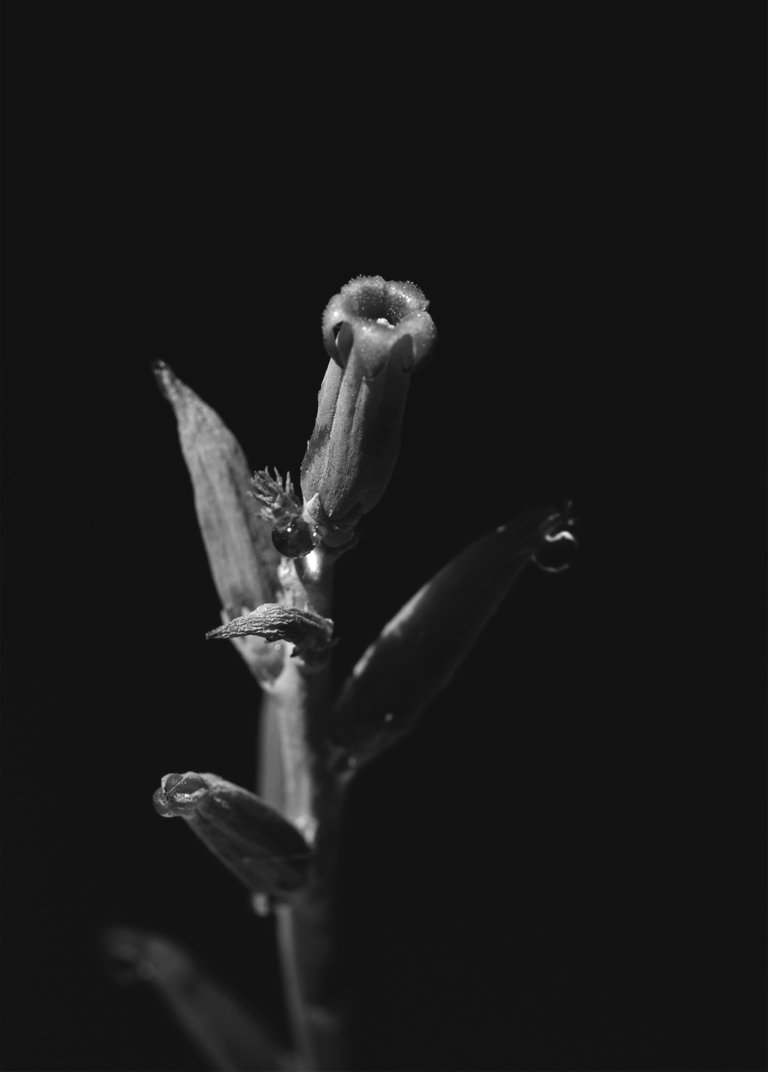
x=564 y=867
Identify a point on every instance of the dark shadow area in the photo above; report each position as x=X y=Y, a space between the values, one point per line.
x=564 y=866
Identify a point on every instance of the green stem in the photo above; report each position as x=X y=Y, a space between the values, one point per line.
x=307 y=927
x=270 y=782
x=291 y=699
x=308 y=950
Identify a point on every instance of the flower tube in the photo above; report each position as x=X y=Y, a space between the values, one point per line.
x=376 y=333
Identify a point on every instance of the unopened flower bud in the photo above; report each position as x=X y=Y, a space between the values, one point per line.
x=264 y=850
x=376 y=333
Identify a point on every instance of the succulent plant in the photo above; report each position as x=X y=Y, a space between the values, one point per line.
x=272 y=551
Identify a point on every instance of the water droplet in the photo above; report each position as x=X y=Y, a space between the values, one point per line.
x=294 y=540
x=553 y=556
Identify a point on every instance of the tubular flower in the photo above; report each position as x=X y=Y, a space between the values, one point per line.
x=376 y=333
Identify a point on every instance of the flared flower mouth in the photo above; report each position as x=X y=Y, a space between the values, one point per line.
x=374 y=314
x=179 y=794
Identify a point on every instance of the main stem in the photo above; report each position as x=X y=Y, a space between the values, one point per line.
x=310 y=796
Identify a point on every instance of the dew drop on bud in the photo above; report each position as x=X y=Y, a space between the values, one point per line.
x=294 y=540
x=555 y=554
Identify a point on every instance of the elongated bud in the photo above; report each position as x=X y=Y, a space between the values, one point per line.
x=420 y=649
x=264 y=850
x=376 y=333
x=237 y=541
x=311 y=633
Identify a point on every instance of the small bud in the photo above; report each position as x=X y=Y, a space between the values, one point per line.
x=264 y=850
x=237 y=540
x=376 y=333
x=311 y=633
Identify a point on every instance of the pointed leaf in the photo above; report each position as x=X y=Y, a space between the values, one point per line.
x=237 y=540
x=420 y=649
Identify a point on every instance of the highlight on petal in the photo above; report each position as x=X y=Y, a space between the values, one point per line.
x=376 y=313
x=237 y=541
x=265 y=851
x=421 y=648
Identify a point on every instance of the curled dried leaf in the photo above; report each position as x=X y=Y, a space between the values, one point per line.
x=309 y=632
